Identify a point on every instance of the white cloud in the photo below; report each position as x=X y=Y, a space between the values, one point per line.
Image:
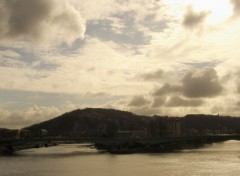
x=9 y=54
x=26 y=117
x=105 y=8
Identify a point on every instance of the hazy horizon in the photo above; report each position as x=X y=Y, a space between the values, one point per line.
x=162 y=57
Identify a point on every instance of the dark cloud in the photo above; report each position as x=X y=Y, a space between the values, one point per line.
x=155 y=76
x=238 y=104
x=167 y=89
x=201 y=83
x=158 y=102
x=27 y=16
x=238 y=86
x=236 y=77
x=236 y=6
x=177 y=101
x=138 y=101
x=38 y=20
x=193 y=19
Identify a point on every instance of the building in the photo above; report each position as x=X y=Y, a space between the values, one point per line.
x=132 y=134
x=23 y=134
x=166 y=127
x=173 y=127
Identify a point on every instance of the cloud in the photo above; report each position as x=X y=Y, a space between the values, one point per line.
x=155 y=76
x=236 y=6
x=193 y=19
x=124 y=22
x=202 y=64
x=158 y=102
x=177 y=101
x=120 y=28
x=238 y=88
x=9 y=54
x=145 y=111
x=40 y=21
x=28 y=116
x=35 y=97
x=167 y=89
x=236 y=77
x=201 y=83
x=96 y=95
x=10 y=58
x=138 y=101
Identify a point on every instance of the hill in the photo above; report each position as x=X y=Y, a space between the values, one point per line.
x=203 y=122
x=92 y=122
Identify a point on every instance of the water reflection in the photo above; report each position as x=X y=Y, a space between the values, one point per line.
x=64 y=150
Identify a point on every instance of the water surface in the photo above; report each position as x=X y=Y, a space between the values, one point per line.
x=219 y=159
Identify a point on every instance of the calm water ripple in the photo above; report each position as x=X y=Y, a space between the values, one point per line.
x=219 y=159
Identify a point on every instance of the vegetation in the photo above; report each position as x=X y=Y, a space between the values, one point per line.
x=92 y=122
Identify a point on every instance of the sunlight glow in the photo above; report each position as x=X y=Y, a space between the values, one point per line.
x=218 y=10
x=217 y=13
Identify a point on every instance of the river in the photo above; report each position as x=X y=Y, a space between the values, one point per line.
x=218 y=159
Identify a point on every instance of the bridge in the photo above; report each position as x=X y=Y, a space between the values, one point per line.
x=119 y=145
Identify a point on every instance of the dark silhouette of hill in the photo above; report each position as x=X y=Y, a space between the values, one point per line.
x=98 y=122
x=92 y=122
x=3 y=129
x=7 y=133
x=213 y=122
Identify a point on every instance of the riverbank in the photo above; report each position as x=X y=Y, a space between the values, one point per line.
x=10 y=150
x=128 y=146
x=123 y=145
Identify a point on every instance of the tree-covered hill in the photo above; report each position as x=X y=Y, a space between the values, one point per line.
x=91 y=121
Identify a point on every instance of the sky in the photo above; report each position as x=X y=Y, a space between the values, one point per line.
x=150 y=57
